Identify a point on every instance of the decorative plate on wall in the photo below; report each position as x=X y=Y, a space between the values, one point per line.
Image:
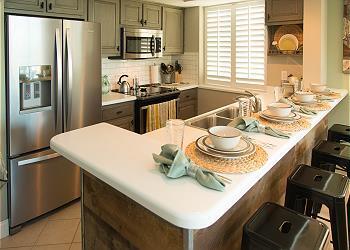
x=288 y=42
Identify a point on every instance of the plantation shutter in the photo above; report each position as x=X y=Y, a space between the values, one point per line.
x=250 y=43
x=218 y=44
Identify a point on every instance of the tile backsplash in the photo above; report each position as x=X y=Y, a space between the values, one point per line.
x=141 y=68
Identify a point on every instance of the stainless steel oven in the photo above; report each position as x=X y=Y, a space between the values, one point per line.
x=141 y=43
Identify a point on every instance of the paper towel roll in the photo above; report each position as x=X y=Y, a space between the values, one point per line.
x=154 y=74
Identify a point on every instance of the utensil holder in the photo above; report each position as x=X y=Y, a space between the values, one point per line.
x=167 y=78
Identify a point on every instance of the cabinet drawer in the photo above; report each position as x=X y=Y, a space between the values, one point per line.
x=117 y=111
x=188 y=95
x=125 y=122
x=187 y=110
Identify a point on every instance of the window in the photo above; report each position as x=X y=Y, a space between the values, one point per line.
x=235 y=44
x=218 y=54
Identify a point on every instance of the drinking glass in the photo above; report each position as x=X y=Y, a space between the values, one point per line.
x=278 y=91
x=175 y=131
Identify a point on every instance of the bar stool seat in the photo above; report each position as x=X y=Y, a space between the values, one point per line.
x=329 y=152
x=323 y=187
x=277 y=227
x=339 y=133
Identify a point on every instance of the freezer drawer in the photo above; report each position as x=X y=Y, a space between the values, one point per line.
x=39 y=183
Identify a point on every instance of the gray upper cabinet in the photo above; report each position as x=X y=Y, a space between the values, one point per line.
x=107 y=13
x=68 y=7
x=284 y=11
x=56 y=8
x=26 y=5
x=152 y=16
x=136 y=14
x=131 y=14
x=173 y=30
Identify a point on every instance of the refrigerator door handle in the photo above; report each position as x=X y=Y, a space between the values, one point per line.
x=58 y=79
x=69 y=80
x=38 y=159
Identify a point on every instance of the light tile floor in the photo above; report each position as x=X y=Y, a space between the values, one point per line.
x=60 y=230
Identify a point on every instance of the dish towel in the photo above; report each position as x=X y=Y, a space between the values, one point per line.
x=298 y=108
x=174 y=164
x=250 y=124
x=159 y=113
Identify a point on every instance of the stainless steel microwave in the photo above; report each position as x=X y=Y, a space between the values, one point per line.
x=142 y=43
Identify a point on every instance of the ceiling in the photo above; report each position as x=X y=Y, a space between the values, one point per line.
x=192 y=3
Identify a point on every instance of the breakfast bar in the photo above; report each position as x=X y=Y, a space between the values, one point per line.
x=127 y=203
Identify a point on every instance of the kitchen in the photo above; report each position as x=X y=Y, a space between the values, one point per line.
x=179 y=32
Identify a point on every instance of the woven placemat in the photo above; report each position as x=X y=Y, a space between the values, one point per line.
x=295 y=126
x=319 y=106
x=231 y=166
x=332 y=95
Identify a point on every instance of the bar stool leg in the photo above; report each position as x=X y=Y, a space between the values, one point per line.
x=339 y=228
x=294 y=202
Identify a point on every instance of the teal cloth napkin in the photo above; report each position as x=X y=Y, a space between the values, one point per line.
x=298 y=108
x=174 y=164
x=250 y=124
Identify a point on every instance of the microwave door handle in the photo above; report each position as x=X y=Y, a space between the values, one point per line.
x=58 y=81
x=152 y=45
x=69 y=81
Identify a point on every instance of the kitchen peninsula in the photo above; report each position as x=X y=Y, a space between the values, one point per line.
x=128 y=204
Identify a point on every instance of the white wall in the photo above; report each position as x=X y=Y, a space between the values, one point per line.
x=335 y=76
x=275 y=64
x=315 y=41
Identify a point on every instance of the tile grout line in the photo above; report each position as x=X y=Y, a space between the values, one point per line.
x=41 y=231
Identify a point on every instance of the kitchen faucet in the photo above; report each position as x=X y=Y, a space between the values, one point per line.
x=256 y=104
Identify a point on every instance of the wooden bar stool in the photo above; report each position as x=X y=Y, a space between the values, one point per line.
x=329 y=152
x=338 y=133
x=277 y=227
x=323 y=187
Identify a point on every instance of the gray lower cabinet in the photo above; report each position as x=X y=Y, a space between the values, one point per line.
x=284 y=11
x=173 y=31
x=107 y=13
x=120 y=115
x=188 y=104
x=54 y=8
x=137 y=14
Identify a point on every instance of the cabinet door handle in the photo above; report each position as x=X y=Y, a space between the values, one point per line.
x=164 y=48
x=50 y=6
x=145 y=22
x=141 y=21
x=118 y=48
x=187 y=96
x=42 y=5
x=119 y=112
x=268 y=16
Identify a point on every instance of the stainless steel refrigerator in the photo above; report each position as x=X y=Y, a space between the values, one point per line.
x=53 y=85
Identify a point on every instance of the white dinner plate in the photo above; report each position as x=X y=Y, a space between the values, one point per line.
x=292 y=116
x=206 y=150
x=242 y=146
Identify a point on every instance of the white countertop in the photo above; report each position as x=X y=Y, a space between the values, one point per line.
x=114 y=98
x=129 y=168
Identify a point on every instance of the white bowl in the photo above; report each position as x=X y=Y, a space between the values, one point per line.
x=224 y=137
x=317 y=88
x=279 y=109
x=304 y=96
